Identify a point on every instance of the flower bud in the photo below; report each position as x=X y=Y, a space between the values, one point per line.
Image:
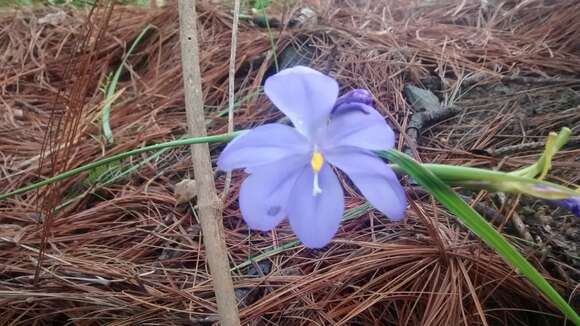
x=353 y=97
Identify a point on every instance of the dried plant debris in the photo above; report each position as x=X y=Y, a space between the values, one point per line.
x=427 y=112
x=185 y=190
x=121 y=251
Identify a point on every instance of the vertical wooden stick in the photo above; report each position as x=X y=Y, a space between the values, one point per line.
x=207 y=199
x=231 y=80
x=232 y=66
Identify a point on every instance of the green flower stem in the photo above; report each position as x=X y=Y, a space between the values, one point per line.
x=453 y=175
x=223 y=138
x=496 y=180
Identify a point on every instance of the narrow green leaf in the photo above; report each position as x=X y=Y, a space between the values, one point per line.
x=481 y=228
x=112 y=87
x=102 y=172
x=261 y=4
x=222 y=138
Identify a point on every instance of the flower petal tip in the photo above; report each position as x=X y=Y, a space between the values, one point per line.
x=311 y=245
x=572 y=204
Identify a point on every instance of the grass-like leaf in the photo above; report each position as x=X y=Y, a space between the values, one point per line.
x=222 y=138
x=261 y=4
x=112 y=87
x=478 y=225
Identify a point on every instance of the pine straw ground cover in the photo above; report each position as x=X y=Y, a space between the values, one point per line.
x=122 y=252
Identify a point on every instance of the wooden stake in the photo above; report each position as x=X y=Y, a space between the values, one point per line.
x=207 y=199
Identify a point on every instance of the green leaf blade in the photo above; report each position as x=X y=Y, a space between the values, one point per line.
x=112 y=87
x=481 y=228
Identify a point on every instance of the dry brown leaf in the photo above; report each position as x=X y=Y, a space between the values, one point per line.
x=185 y=190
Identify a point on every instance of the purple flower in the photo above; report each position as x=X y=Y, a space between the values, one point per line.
x=572 y=204
x=290 y=168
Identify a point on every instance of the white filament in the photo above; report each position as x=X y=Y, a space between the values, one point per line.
x=316 y=187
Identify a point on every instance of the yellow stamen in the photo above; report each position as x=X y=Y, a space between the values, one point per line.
x=317 y=161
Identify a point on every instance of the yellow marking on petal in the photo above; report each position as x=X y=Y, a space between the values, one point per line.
x=317 y=161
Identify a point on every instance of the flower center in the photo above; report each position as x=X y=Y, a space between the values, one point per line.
x=317 y=161
x=316 y=164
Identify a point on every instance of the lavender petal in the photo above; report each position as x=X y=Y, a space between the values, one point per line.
x=264 y=194
x=305 y=95
x=315 y=219
x=262 y=145
x=364 y=128
x=375 y=179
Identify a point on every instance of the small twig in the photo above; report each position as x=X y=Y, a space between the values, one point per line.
x=516 y=221
x=208 y=201
x=231 y=80
x=481 y=78
x=529 y=146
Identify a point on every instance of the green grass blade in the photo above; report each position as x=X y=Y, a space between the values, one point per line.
x=481 y=228
x=222 y=138
x=272 y=42
x=112 y=87
x=261 y=4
